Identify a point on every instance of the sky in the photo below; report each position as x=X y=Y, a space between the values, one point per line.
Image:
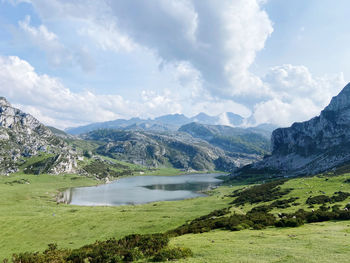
x=73 y=62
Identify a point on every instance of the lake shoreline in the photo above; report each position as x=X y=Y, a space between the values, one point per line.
x=144 y=189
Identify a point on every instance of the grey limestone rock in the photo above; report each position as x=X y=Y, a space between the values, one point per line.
x=21 y=135
x=316 y=145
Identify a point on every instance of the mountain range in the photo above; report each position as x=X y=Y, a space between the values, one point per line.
x=170 y=122
x=31 y=147
x=309 y=147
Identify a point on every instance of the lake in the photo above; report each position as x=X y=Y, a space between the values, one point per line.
x=143 y=189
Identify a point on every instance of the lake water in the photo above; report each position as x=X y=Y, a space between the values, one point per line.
x=143 y=189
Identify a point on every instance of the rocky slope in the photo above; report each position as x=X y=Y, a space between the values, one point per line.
x=177 y=149
x=316 y=145
x=22 y=136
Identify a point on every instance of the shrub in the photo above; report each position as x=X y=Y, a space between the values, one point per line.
x=322 y=199
x=172 y=254
x=339 y=196
x=319 y=199
x=260 y=193
x=289 y=222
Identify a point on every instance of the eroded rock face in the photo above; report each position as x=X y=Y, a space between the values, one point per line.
x=315 y=145
x=21 y=135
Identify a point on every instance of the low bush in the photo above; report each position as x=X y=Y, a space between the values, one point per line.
x=172 y=254
x=319 y=199
x=323 y=199
x=260 y=193
x=128 y=249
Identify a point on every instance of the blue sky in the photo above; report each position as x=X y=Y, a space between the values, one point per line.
x=74 y=62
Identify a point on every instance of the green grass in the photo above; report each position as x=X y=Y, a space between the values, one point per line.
x=30 y=217
x=304 y=188
x=312 y=243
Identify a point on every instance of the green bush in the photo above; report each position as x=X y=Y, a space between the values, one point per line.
x=172 y=254
x=260 y=193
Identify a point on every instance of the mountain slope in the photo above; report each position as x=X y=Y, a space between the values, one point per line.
x=316 y=145
x=176 y=149
x=22 y=137
x=236 y=140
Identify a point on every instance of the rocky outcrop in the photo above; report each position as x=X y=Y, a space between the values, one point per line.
x=22 y=136
x=316 y=145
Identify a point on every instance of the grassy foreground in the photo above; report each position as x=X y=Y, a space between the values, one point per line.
x=311 y=243
x=30 y=219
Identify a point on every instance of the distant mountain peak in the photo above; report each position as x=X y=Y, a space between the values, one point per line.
x=341 y=101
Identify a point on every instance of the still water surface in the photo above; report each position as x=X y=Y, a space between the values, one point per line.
x=143 y=189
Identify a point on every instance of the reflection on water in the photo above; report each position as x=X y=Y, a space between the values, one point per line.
x=196 y=187
x=143 y=189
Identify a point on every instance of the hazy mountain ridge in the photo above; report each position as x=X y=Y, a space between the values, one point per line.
x=236 y=140
x=170 y=122
x=316 y=145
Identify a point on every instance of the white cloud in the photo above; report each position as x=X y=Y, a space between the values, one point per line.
x=296 y=95
x=57 y=53
x=219 y=39
x=54 y=104
x=205 y=47
x=46 y=40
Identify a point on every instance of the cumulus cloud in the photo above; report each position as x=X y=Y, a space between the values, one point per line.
x=46 y=40
x=51 y=102
x=219 y=39
x=57 y=53
x=296 y=95
x=207 y=47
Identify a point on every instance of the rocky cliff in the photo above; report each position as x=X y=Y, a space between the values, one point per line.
x=316 y=145
x=22 y=136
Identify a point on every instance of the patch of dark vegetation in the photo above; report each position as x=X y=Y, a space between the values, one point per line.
x=128 y=249
x=216 y=213
x=20 y=181
x=259 y=218
x=102 y=169
x=318 y=199
x=169 y=254
x=42 y=166
x=282 y=204
x=261 y=193
x=235 y=222
x=250 y=175
x=320 y=215
x=323 y=199
x=347 y=181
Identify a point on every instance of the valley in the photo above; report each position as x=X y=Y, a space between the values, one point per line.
x=28 y=206
x=174 y=131
x=264 y=205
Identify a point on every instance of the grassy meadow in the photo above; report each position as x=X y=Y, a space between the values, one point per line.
x=30 y=219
